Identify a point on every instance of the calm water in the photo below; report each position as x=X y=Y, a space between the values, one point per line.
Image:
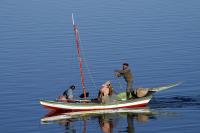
x=159 y=39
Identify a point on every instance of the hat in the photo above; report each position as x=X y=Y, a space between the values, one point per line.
x=106 y=83
x=72 y=87
x=125 y=64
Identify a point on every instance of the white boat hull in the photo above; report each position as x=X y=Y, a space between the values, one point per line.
x=54 y=105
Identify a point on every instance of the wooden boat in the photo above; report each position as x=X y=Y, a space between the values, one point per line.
x=120 y=102
x=86 y=105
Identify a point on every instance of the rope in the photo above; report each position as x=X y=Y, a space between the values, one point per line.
x=87 y=67
x=71 y=63
x=119 y=83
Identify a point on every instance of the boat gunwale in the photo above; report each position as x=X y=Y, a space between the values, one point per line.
x=97 y=104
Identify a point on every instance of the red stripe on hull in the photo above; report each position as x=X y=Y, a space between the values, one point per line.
x=61 y=109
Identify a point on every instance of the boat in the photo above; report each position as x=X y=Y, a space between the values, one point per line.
x=93 y=104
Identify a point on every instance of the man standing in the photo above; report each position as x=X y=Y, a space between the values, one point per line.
x=126 y=73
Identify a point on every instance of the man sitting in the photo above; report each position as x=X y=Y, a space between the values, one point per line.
x=68 y=94
x=105 y=92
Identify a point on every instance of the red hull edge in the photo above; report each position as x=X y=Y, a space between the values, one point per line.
x=59 y=109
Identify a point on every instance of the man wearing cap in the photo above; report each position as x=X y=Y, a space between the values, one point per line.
x=126 y=73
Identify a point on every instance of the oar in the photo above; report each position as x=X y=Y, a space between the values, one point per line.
x=156 y=89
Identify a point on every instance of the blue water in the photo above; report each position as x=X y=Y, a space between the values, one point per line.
x=159 y=39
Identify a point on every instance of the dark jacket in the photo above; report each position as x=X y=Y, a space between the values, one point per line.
x=126 y=73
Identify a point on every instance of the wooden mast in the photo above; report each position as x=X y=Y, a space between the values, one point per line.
x=79 y=56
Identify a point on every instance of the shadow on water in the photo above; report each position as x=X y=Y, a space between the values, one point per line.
x=176 y=102
x=109 y=121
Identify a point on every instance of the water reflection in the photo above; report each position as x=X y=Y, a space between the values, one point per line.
x=130 y=127
x=109 y=121
x=68 y=125
x=106 y=124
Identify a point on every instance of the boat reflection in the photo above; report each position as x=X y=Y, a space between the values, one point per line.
x=108 y=120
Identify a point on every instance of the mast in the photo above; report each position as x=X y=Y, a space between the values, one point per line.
x=79 y=56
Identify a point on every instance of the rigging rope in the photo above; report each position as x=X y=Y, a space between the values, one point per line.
x=71 y=63
x=119 y=83
x=86 y=65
